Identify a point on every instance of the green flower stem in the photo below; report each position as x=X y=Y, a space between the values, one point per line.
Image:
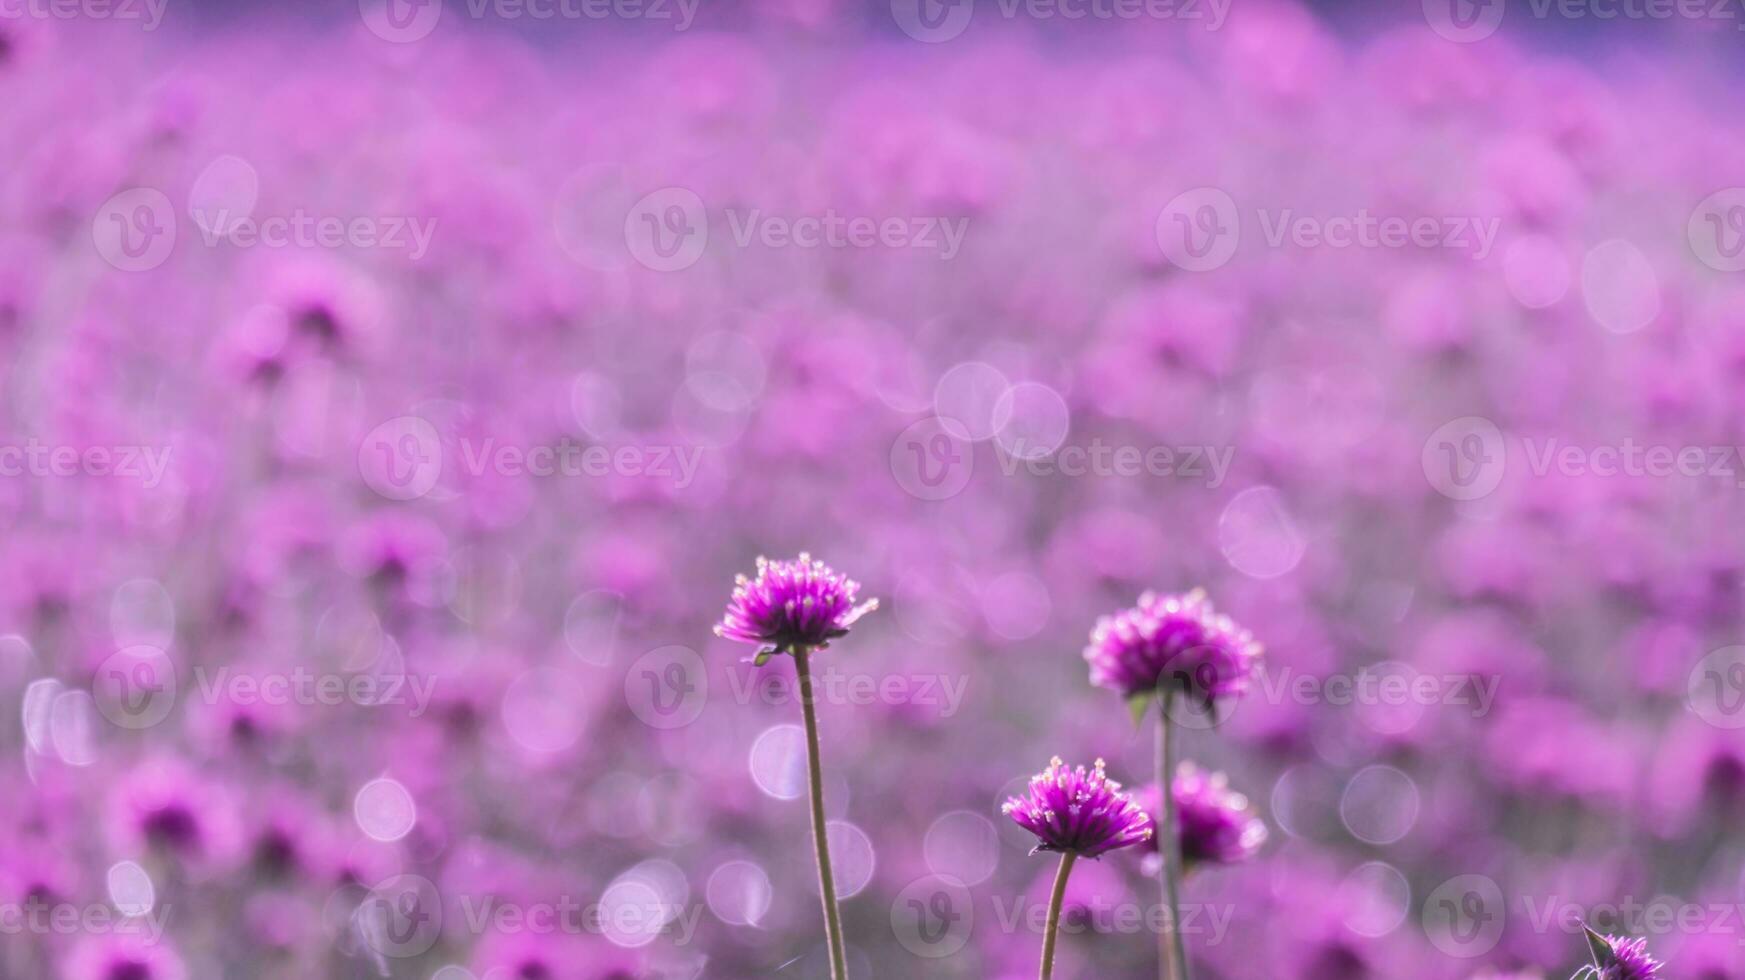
x=1055 y=900
x=820 y=839
x=1172 y=958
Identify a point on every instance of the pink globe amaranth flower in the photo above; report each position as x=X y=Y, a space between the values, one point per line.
x=123 y=957
x=1077 y=812
x=790 y=605
x=1622 y=958
x=1213 y=822
x=1179 y=639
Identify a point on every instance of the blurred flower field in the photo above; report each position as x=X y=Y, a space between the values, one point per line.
x=388 y=400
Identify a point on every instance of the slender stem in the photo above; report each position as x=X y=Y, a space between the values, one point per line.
x=820 y=840
x=1055 y=900
x=1172 y=958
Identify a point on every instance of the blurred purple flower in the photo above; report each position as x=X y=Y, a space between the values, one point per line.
x=124 y=957
x=1214 y=822
x=1077 y=812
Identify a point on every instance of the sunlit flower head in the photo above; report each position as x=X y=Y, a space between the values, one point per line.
x=1077 y=812
x=1179 y=639
x=790 y=605
x=1630 y=960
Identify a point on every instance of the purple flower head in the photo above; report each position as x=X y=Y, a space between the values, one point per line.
x=121 y=957
x=1077 y=812
x=1622 y=958
x=1213 y=821
x=1178 y=638
x=792 y=604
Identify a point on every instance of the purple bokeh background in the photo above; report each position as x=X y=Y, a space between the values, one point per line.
x=387 y=404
